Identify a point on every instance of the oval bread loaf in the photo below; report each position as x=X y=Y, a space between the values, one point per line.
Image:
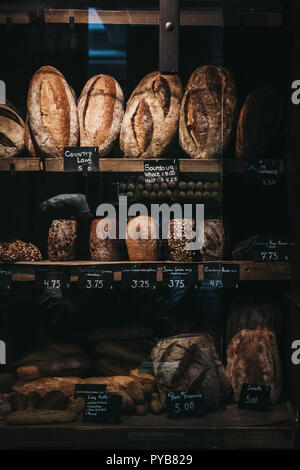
x=104 y=240
x=142 y=239
x=52 y=112
x=151 y=118
x=207 y=112
x=100 y=111
x=12 y=132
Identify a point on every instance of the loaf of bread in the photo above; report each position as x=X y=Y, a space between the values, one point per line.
x=30 y=143
x=62 y=240
x=104 y=240
x=259 y=123
x=12 y=132
x=131 y=331
x=189 y=362
x=181 y=232
x=252 y=352
x=214 y=241
x=19 y=251
x=52 y=112
x=151 y=119
x=100 y=111
x=142 y=239
x=207 y=112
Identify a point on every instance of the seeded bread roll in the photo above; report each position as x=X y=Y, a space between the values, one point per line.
x=100 y=111
x=52 y=112
x=142 y=239
x=19 y=251
x=151 y=119
x=62 y=240
x=12 y=132
x=180 y=234
x=207 y=112
x=104 y=240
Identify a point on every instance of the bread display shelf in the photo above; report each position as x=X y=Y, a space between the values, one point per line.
x=204 y=17
x=229 y=429
x=249 y=270
x=126 y=165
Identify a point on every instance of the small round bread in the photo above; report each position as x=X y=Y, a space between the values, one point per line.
x=12 y=132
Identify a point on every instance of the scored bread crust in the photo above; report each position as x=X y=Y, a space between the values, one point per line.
x=100 y=110
x=52 y=112
x=151 y=117
x=12 y=132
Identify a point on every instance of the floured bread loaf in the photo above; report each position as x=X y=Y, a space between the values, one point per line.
x=100 y=111
x=207 y=112
x=12 y=132
x=52 y=112
x=151 y=118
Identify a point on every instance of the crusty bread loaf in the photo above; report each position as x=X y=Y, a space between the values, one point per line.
x=259 y=123
x=181 y=232
x=207 y=112
x=12 y=132
x=151 y=118
x=214 y=241
x=142 y=239
x=52 y=112
x=100 y=111
x=30 y=143
x=134 y=330
x=104 y=240
x=62 y=240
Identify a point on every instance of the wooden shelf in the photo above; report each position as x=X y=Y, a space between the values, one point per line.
x=204 y=17
x=229 y=429
x=249 y=270
x=127 y=165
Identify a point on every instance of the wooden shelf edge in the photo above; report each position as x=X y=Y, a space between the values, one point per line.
x=249 y=270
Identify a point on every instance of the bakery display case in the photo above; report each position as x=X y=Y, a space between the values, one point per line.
x=149 y=244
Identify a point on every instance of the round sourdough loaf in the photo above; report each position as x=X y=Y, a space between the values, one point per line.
x=12 y=132
x=208 y=112
x=104 y=240
x=151 y=119
x=142 y=239
x=100 y=111
x=52 y=112
x=62 y=240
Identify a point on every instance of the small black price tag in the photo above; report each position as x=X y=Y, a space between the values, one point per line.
x=5 y=278
x=161 y=171
x=222 y=276
x=179 y=276
x=270 y=250
x=254 y=397
x=102 y=407
x=264 y=173
x=185 y=405
x=51 y=277
x=96 y=277
x=81 y=159
x=139 y=276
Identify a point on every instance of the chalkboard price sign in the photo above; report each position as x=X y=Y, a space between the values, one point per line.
x=52 y=278
x=96 y=277
x=102 y=407
x=264 y=173
x=185 y=405
x=5 y=278
x=222 y=276
x=270 y=250
x=81 y=159
x=139 y=276
x=254 y=397
x=161 y=171
x=179 y=276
